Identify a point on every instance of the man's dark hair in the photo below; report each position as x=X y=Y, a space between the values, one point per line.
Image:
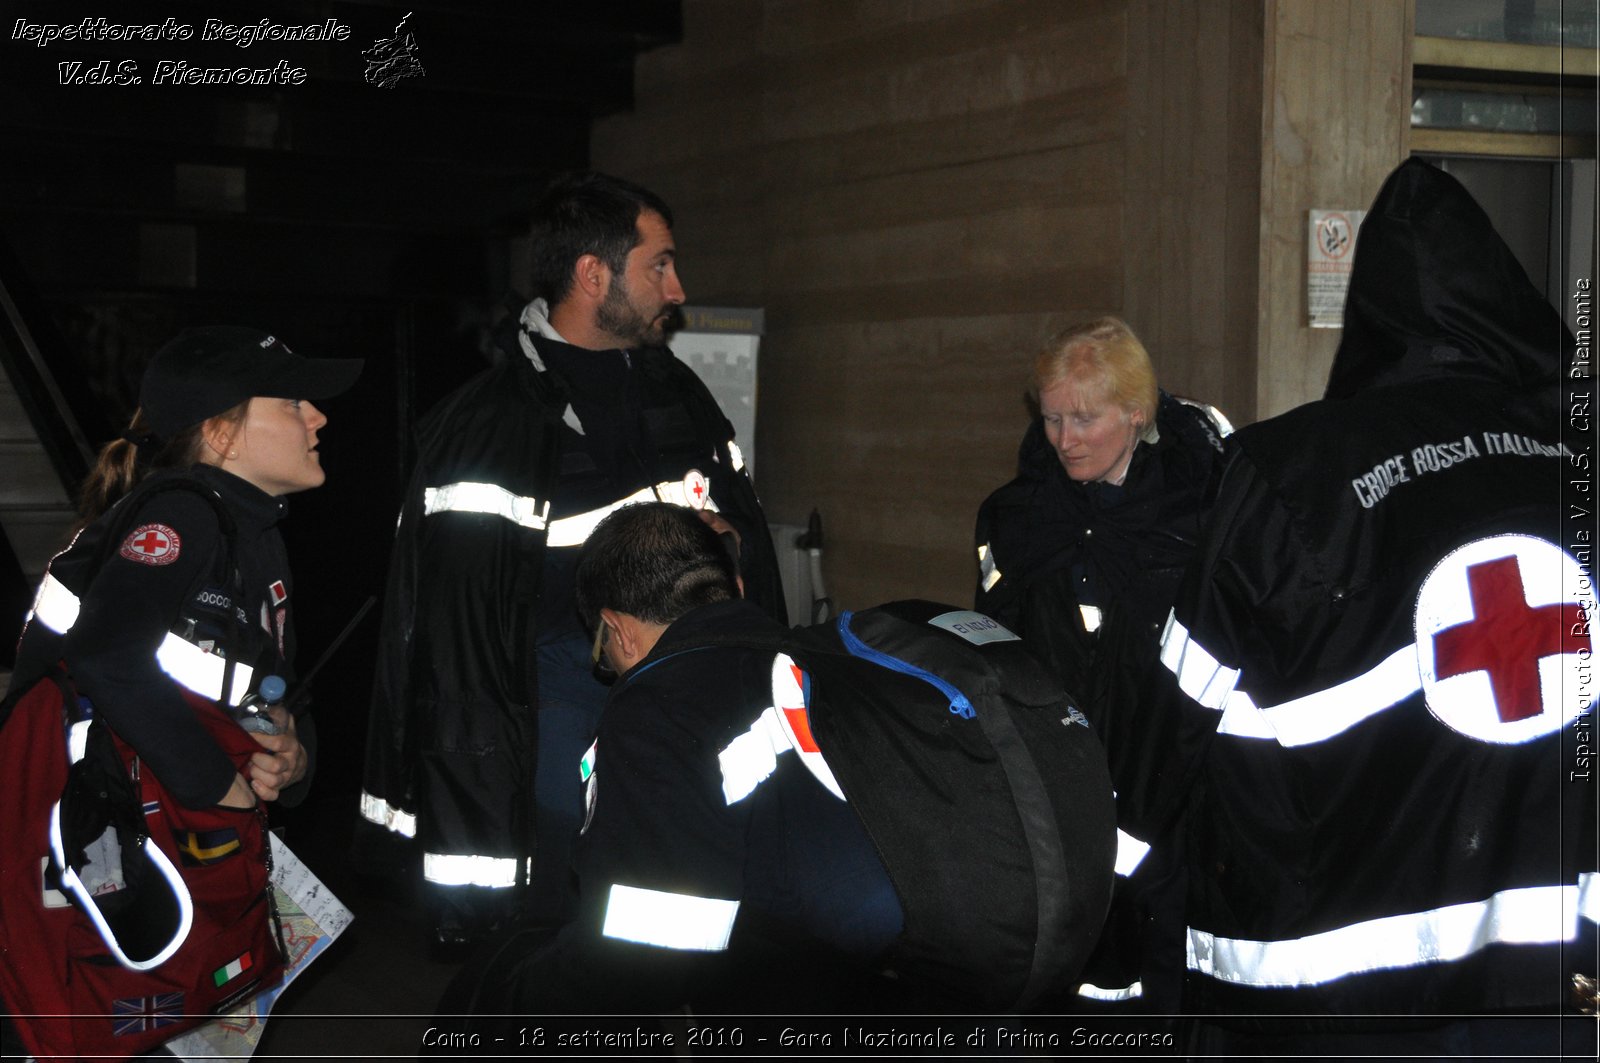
x=586 y=213
x=654 y=561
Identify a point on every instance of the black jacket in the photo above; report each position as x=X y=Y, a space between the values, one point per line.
x=1388 y=819
x=164 y=586
x=774 y=818
x=715 y=869
x=1049 y=545
x=503 y=493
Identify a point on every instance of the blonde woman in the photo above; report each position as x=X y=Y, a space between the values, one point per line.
x=1082 y=554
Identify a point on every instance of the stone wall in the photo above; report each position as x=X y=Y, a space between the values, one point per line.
x=919 y=192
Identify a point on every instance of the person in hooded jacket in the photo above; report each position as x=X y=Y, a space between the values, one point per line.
x=484 y=700
x=1081 y=555
x=1376 y=671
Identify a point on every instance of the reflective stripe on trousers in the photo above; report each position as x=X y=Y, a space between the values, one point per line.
x=455 y=869
x=377 y=810
x=442 y=869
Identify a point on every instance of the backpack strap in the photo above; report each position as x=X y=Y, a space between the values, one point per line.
x=127 y=511
x=127 y=508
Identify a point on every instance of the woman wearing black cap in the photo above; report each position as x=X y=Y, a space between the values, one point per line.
x=160 y=615
x=170 y=614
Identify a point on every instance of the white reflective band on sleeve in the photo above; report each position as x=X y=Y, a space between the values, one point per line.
x=1200 y=675
x=1091 y=617
x=485 y=498
x=575 y=530
x=201 y=672
x=1094 y=992
x=54 y=606
x=1241 y=718
x=1323 y=714
x=991 y=575
x=737 y=455
x=377 y=810
x=1130 y=851
x=753 y=756
x=496 y=872
x=669 y=920
x=1533 y=915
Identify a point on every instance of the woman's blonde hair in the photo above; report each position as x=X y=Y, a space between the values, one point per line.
x=1101 y=353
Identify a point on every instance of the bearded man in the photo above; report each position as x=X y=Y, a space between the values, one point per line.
x=485 y=700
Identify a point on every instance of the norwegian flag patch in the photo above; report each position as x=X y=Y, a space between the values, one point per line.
x=152 y=544
x=279 y=592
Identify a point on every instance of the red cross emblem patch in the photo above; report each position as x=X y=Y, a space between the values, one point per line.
x=1503 y=625
x=696 y=489
x=151 y=544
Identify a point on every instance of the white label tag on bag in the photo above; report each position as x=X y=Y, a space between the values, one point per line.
x=974 y=627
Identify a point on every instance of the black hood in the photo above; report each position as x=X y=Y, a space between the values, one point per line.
x=1437 y=293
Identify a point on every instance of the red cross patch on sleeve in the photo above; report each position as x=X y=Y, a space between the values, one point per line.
x=152 y=544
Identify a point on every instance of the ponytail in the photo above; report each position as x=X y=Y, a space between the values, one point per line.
x=114 y=472
x=137 y=453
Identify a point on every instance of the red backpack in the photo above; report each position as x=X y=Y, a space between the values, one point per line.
x=125 y=918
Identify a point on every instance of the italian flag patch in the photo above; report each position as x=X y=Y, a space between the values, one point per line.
x=223 y=975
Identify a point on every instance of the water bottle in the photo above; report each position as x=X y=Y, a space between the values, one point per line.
x=252 y=711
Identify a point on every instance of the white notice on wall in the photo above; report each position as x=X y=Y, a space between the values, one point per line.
x=720 y=344
x=1330 y=253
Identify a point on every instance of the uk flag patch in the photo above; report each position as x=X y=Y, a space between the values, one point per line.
x=138 y=1014
x=152 y=544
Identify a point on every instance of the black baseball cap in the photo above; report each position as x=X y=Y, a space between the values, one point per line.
x=207 y=371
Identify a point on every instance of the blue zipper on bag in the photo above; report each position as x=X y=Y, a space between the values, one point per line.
x=959 y=704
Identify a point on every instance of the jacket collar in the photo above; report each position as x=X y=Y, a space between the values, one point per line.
x=253 y=509
x=720 y=620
